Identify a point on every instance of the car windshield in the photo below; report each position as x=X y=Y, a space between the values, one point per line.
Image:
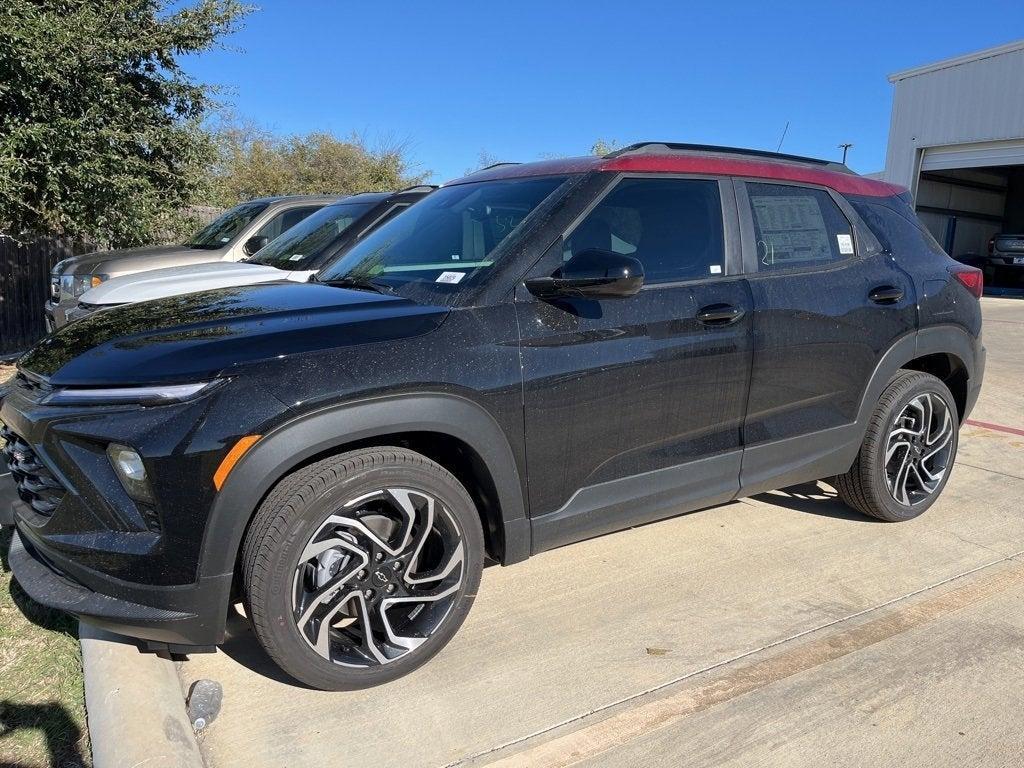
x=445 y=241
x=226 y=227
x=302 y=245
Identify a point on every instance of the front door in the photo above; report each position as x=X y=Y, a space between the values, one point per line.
x=634 y=406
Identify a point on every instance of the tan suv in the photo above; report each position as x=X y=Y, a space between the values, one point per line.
x=237 y=233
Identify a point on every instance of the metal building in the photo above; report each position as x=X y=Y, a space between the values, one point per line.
x=956 y=140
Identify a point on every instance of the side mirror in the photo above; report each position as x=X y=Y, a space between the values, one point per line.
x=592 y=273
x=255 y=243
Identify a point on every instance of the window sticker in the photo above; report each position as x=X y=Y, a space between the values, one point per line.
x=845 y=244
x=295 y=257
x=716 y=269
x=450 y=277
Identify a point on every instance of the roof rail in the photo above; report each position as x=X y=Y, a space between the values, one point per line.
x=496 y=165
x=672 y=146
x=419 y=188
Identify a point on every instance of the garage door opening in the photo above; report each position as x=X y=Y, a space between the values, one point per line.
x=977 y=214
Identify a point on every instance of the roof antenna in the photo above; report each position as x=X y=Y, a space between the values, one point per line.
x=784 y=131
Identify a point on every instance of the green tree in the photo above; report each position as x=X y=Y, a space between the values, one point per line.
x=100 y=129
x=602 y=147
x=252 y=162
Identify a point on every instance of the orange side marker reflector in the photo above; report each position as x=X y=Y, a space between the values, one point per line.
x=229 y=461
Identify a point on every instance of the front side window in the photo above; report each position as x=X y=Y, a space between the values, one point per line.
x=797 y=227
x=225 y=228
x=447 y=240
x=302 y=245
x=672 y=226
x=284 y=221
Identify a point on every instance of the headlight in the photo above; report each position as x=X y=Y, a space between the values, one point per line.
x=149 y=395
x=76 y=285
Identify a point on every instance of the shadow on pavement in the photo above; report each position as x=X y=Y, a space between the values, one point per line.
x=242 y=646
x=816 y=499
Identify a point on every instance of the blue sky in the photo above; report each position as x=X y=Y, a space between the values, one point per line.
x=524 y=79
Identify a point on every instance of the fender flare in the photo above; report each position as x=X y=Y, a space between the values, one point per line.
x=947 y=339
x=292 y=443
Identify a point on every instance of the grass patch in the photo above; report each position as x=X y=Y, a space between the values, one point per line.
x=42 y=701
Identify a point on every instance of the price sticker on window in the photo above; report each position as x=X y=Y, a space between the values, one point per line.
x=845 y=244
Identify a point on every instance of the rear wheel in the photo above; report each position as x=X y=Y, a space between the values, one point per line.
x=908 y=450
x=359 y=568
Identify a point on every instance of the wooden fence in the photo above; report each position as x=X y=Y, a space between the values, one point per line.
x=25 y=286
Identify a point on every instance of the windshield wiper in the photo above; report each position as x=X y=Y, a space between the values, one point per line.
x=359 y=283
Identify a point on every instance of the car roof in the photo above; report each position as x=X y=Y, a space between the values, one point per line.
x=416 y=192
x=297 y=199
x=667 y=157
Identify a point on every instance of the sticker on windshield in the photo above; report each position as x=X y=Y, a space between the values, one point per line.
x=295 y=257
x=845 y=244
x=450 y=277
x=225 y=239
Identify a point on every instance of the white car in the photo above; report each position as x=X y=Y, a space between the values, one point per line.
x=296 y=255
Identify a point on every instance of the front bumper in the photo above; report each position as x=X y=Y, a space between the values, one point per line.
x=56 y=314
x=135 y=568
x=167 y=618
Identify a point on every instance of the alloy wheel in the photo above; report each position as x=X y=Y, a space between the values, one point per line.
x=378 y=577
x=919 y=449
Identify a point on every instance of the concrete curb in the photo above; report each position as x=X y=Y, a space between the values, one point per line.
x=134 y=705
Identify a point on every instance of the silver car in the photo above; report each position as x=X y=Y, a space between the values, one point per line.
x=237 y=233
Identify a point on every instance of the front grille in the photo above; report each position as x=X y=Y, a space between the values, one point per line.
x=36 y=486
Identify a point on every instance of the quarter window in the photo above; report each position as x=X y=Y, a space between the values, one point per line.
x=797 y=227
x=672 y=226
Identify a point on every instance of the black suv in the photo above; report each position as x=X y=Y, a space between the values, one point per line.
x=530 y=356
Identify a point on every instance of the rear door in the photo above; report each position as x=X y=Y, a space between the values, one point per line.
x=633 y=406
x=827 y=304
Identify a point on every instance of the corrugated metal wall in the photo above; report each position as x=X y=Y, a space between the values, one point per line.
x=971 y=102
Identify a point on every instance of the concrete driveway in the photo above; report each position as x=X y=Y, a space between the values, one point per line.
x=779 y=630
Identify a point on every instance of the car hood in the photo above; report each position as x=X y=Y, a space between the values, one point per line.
x=121 y=262
x=172 y=281
x=203 y=335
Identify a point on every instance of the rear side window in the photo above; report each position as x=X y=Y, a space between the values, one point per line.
x=672 y=226
x=797 y=227
x=897 y=226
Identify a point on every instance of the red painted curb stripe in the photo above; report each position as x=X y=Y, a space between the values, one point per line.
x=996 y=427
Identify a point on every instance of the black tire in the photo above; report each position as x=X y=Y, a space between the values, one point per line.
x=865 y=487
x=299 y=509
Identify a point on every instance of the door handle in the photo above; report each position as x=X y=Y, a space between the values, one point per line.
x=886 y=294
x=720 y=314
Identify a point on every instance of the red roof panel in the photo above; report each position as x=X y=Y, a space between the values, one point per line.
x=710 y=164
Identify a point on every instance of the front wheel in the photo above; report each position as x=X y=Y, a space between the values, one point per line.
x=908 y=450
x=359 y=568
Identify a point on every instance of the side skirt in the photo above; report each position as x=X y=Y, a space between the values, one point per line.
x=639 y=499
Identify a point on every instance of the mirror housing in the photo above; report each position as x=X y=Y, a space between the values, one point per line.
x=255 y=243
x=593 y=273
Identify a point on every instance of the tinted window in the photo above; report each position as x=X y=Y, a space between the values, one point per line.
x=284 y=221
x=898 y=230
x=447 y=239
x=226 y=227
x=302 y=245
x=673 y=226
x=797 y=227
